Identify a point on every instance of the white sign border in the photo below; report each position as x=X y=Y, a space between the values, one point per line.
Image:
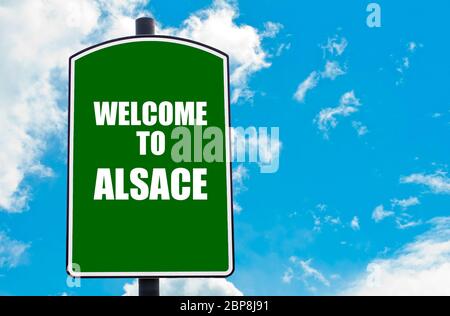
x=154 y=38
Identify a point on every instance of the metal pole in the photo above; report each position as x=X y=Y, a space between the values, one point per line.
x=145 y=26
x=147 y=287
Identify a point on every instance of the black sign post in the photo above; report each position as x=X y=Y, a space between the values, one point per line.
x=147 y=286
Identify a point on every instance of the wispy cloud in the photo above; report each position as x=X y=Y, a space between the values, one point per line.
x=354 y=224
x=323 y=218
x=317 y=223
x=304 y=271
x=437 y=182
x=282 y=48
x=379 y=213
x=288 y=275
x=404 y=63
x=239 y=174
x=360 y=128
x=308 y=271
x=271 y=29
x=309 y=83
x=327 y=118
x=335 y=45
x=12 y=252
x=405 y=203
x=404 y=222
x=436 y=115
x=332 y=70
x=412 y=46
x=332 y=220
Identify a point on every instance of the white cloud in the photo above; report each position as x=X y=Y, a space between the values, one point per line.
x=379 y=213
x=436 y=115
x=282 y=48
x=239 y=174
x=37 y=39
x=354 y=224
x=349 y=98
x=403 y=66
x=405 y=203
x=271 y=29
x=317 y=223
x=12 y=252
x=120 y=17
x=335 y=45
x=405 y=223
x=309 y=272
x=360 y=128
x=216 y=26
x=421 y=267
x=332 y=70
x=412 y=46
x=325 y=219
x=404 y=63
x=189 y=287
x=402 y=220
x=309 y=83
x=237 y=207
x=437 y=182
x=29 y=111
x=131 y=289
x=332 y=220
x=287 y=275
x=327 y=118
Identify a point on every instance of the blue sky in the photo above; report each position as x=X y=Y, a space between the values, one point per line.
x=294 y=234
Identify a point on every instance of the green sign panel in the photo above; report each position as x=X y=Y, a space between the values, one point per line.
x=149 y=174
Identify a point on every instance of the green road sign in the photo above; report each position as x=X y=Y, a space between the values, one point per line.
x=149 y=174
